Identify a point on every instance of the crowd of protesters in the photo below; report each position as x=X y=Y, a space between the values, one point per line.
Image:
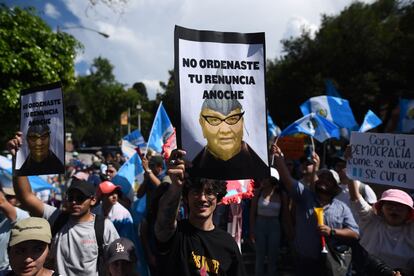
x=94 y=229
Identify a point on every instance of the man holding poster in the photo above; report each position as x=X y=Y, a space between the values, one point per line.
x=42 y=132
x=222 y=106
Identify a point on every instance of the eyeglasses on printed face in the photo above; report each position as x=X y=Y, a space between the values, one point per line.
x=34 y=136
x=230 y=120
x=208 y=194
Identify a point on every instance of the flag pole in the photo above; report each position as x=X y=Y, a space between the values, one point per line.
x=273 y=157
x=149 y=137
x=313 y=144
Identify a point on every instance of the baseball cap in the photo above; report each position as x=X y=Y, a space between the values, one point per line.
x=86 y=188
x=31 y=228
x=332 y=173
x=121 y=249
x=398 y=196
x=107 y=187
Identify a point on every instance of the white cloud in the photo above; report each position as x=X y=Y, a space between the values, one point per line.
x=141 y=45
x=51 y=11
x=297 y=25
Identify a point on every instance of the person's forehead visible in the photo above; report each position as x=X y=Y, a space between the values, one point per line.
x=210 y=112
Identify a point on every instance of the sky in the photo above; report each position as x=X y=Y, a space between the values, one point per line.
x=141 y=32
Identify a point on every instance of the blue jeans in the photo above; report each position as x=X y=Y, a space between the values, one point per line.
x=267 y=234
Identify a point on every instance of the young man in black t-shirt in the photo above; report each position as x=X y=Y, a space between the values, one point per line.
x=194 y=246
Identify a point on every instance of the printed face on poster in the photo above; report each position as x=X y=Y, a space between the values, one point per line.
x=42 y=125
x=222 y=101
x=382 y=158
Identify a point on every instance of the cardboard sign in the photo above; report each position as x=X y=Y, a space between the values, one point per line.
x=382 y=158
x=42 y=125
x=220 y=92
x=292 y=147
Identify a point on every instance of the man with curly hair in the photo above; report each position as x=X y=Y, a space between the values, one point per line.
x=194 y=246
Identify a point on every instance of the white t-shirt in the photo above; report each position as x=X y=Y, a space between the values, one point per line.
x=369 y=196
x=75 y=246
x=392 y=244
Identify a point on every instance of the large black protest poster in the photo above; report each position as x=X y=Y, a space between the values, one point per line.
x=221 y=101
x=42 y=125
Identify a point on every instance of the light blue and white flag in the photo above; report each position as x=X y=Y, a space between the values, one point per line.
x=371 y=120
x=330 y=89
x=272 y=129
x=313 y=125
x=161 y=130
x=334 y=109
x=406 y=121
x=6 y=175
x=126 y=175
x=131 y=141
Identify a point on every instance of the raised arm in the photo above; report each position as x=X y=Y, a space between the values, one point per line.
x=316 y=161
x=166 y=222
x=353 y=185
x=21 y=184
x=6 y=208
x=287 y=180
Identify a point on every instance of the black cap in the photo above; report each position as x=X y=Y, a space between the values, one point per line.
x=121 y=249
x=86 y=188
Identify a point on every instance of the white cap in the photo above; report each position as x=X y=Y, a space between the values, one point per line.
x=333 y=174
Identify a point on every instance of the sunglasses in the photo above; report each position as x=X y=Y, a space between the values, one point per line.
x=230 y=120
x=78 y=198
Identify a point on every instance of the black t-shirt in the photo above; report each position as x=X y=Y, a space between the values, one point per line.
x=192 y=251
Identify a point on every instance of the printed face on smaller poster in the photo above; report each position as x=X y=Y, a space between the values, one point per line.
x=42 y=125
x=222 y=103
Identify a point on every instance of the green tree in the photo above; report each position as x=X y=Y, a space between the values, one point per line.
x=365 y=50
x=94 y=104
x=141 y=89
x=31 y=54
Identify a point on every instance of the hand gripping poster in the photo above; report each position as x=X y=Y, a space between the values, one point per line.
x=42 y=127
x=221 y=100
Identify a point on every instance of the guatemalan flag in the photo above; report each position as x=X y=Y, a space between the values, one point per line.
x=334 y=109
x=406 y=121
x=126 y=175
x=6 y=175
x=131 y=141
x=272 y=129
x=371 y=120
x=313 y=125
x=330 y=89
x=161 y=130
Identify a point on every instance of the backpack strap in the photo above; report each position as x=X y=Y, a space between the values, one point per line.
x=61 y=220
x=99 y=227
